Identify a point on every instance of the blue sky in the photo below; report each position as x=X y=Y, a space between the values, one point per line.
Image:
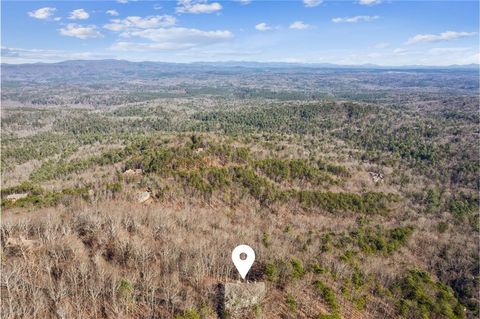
x=384 y=32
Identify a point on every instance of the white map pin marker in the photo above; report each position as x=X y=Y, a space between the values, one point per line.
x=243 y=266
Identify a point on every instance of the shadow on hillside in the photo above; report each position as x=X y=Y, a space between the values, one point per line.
x=220 y=300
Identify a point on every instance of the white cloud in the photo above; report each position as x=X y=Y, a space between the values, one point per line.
x=262 y=27
x=448 y=50
x=113 y=13
x=355 y=19
x=57 y=19
x=79 y=14
x=475 y=58
x=299 y=25
x=196 y=7
x=400 y=51
x=139 y=47
x=244 y=2
x=42 y=13
x=122 y=1
x=444 y=36
x=17 y=52
x=172 y=38
x=134 y=22
x=156 y=6
x=369 y=2
x=79 y=31
x=312 y=3
x=218 y=54
x=18 y=55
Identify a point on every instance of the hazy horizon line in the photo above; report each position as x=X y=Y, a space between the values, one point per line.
x=255 y=62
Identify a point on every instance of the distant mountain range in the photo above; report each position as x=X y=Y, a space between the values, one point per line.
x=331 y=65
x=83 y=71
x=236 y=64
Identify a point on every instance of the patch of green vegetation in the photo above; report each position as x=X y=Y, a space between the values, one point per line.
x=218 y=178
x=39 y=147
x=296 y=169
x=190 y=313
x=114 y=187
x=325 y=243
x=360 y=302
x=367 y=203
x=228 y=153
x=432 y=201
x=40 y=198
x=338 y=170
x=55 y=169
x=266 y=240
x=258 y=187
x=197 y=182
x=317 y=268
x=348 y=256
x=328 y=296
x=358 y=278
x=288 y=229
x=24 y=187
x=418 y=296
x=371 y=240
x=299 y=119
x=298 y=271
x=464 y=205
x=257 y=310
x=292 y=303
x=282 y=272
x=125 y=289
x=271 y=272
x=442 y=227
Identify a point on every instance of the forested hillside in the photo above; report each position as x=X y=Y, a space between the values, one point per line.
x=125 y=186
